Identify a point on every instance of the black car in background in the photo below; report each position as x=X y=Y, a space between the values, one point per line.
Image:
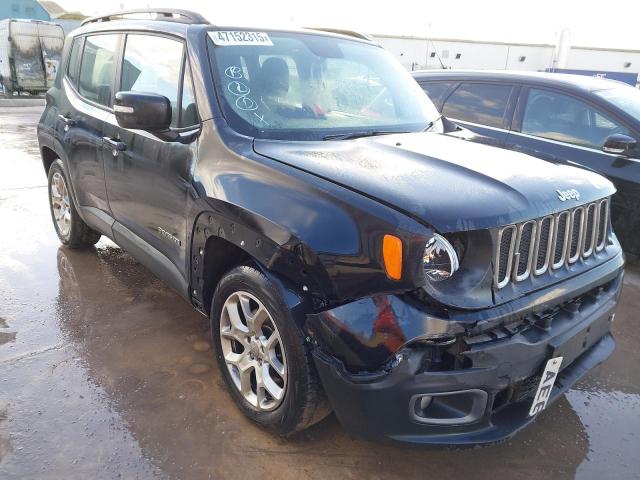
x=352 y=251
x=585 y=121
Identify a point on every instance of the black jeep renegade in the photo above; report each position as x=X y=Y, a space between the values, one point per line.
x=353 y=250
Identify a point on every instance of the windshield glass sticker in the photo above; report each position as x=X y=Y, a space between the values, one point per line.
x=226 y=38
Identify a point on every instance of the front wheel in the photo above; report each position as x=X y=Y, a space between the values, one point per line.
x=71 y=229
x=262 y=355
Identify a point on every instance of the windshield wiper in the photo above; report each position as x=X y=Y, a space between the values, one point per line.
x=368 y=133
x=432 y=123
x=375 y=133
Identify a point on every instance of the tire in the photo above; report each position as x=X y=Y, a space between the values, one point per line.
x=303 y=402
x=70 y=228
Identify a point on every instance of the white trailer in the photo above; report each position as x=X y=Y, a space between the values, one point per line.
x=30 y=54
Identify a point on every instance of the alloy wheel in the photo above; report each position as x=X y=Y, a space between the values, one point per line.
x=253 y=351
x=60 y=204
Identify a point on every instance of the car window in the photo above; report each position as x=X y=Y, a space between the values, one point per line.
x=293 y=86
x=564 y=118
x=151 y=64
x=74 y=60
x=436 y=90
x=624 y=97
x=97 y=67
x=189 y=114
x=483 y=103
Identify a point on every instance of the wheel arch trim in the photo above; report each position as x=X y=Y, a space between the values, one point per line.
x=283 y=261
x=49 y=142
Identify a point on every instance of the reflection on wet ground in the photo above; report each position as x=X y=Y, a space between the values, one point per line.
x=106 y=373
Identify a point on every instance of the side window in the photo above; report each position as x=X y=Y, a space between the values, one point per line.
x=483 y=103
x=97 y=67
x=564 y=118
x=189 y=112
x=151 y=64
x=74 y=60
x=436 y=90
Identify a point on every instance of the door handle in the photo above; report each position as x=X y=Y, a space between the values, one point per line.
x=67 y=120
x=115 y=145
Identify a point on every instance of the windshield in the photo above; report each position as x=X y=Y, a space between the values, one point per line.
x=299 y=86
x=625 y=98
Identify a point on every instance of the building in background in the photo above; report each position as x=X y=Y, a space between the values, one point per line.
x=417 y=53
x=41 y=10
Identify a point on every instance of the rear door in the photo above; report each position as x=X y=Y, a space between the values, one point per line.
x=485 y=108
x=149 y=179
x=86 y=103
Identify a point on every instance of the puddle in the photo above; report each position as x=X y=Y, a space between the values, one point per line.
x=612 y=424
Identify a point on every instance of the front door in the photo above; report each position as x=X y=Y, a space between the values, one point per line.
x=565 y=129
x=149 y=179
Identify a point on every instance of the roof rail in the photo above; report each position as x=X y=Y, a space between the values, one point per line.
x=340 y=31
x=163 y=14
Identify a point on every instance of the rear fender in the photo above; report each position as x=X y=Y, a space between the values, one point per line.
x=49 y=141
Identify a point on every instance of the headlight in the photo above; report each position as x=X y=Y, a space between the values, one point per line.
x=440 y=260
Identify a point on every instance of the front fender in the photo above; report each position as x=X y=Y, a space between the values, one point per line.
x=275 y=251
x=313 y=232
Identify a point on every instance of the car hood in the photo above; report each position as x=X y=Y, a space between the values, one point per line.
x=447 y=182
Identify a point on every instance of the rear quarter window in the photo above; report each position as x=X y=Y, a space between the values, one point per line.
x=74 y=60
x=482 y=103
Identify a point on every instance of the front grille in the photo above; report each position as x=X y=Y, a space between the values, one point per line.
x=577 y=217
x=525 y=246
x=552 y=242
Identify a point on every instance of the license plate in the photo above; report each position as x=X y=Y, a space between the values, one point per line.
x=545 y=386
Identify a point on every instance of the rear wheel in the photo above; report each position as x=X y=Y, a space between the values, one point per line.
x=71 y=229
x=262 y=355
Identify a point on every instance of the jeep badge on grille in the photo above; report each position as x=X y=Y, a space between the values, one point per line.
x=564 y=195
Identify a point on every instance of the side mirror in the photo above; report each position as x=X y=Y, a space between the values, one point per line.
x=143 y=111
x=619 y=144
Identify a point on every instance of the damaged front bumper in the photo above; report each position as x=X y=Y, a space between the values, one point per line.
x=460 y=381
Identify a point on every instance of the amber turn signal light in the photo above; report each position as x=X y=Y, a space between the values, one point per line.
x=392 y=255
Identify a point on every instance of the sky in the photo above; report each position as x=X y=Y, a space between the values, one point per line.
x=610 y=23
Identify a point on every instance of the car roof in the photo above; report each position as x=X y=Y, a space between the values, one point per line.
x=582 y=82
x=176 y=27
x=151 y=26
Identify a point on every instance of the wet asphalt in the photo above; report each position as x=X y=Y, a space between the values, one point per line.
x=107 y=373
